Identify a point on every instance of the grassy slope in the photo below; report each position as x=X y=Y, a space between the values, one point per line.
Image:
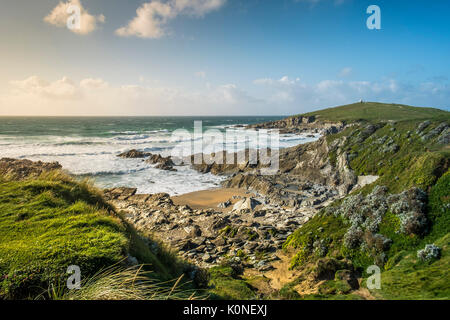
x=51 y=222
x=373 y=111
x=417 y=163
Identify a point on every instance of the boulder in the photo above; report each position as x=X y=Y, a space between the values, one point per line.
x=245 y=204
x=225 y=204
x=163 y=163
x=444 y=138
x=326 y=268
x=133 y=154
x=119 y=193
x=422 y=126
x=139 y=198
x=348 y=277
x=207 y=257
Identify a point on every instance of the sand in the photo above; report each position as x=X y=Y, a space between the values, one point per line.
x=209 y=198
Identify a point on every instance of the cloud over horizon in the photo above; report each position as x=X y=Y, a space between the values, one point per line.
x=152 y=17
x=269 y=96
x=95 y=96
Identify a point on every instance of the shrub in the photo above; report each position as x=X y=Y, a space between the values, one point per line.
x=431 y=252
x=320 y=248
x=353 y=237
x=410 y=208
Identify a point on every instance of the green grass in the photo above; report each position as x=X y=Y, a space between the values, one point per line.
x=51 y=222
x=374 y=111
x=225 y=283
x=329 y=290
x=325 y=227
x=410 y=278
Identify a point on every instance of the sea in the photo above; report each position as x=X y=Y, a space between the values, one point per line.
x=88 y=147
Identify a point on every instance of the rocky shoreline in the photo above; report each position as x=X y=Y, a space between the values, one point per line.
x=242 y=226
x=245 y=229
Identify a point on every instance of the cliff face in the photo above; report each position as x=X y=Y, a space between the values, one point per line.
x=297 y=124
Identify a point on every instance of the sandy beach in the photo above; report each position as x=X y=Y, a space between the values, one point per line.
x=209 y=198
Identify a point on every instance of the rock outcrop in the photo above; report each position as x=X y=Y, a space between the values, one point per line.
x=133 y=154
x=21 y=169
x=298 y=124
x=246 y=204
x=163 y=163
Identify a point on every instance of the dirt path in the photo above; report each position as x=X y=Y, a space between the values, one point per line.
x=281 y=274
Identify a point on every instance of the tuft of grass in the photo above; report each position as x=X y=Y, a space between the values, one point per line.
x=121 y=283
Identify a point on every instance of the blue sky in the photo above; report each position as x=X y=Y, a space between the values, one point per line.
x=221 y=56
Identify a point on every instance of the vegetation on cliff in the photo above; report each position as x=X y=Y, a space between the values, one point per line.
x=387 y=222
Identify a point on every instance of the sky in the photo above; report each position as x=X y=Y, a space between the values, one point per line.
x=219 y=57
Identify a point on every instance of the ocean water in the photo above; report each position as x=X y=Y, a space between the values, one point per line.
x=88 y=146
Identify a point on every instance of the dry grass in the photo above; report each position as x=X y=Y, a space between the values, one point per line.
x=119 y=283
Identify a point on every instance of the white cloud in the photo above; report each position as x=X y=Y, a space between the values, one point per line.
x=285 y=80
x=94 y=96
x=300 y=96
x=152 y=17
x=59 y=17
x=345 y=72
x=90 y=83
x=35 y=86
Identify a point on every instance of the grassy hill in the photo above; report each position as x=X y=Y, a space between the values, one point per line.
x=50 y=222
x=387 y=222
x=374 y=111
